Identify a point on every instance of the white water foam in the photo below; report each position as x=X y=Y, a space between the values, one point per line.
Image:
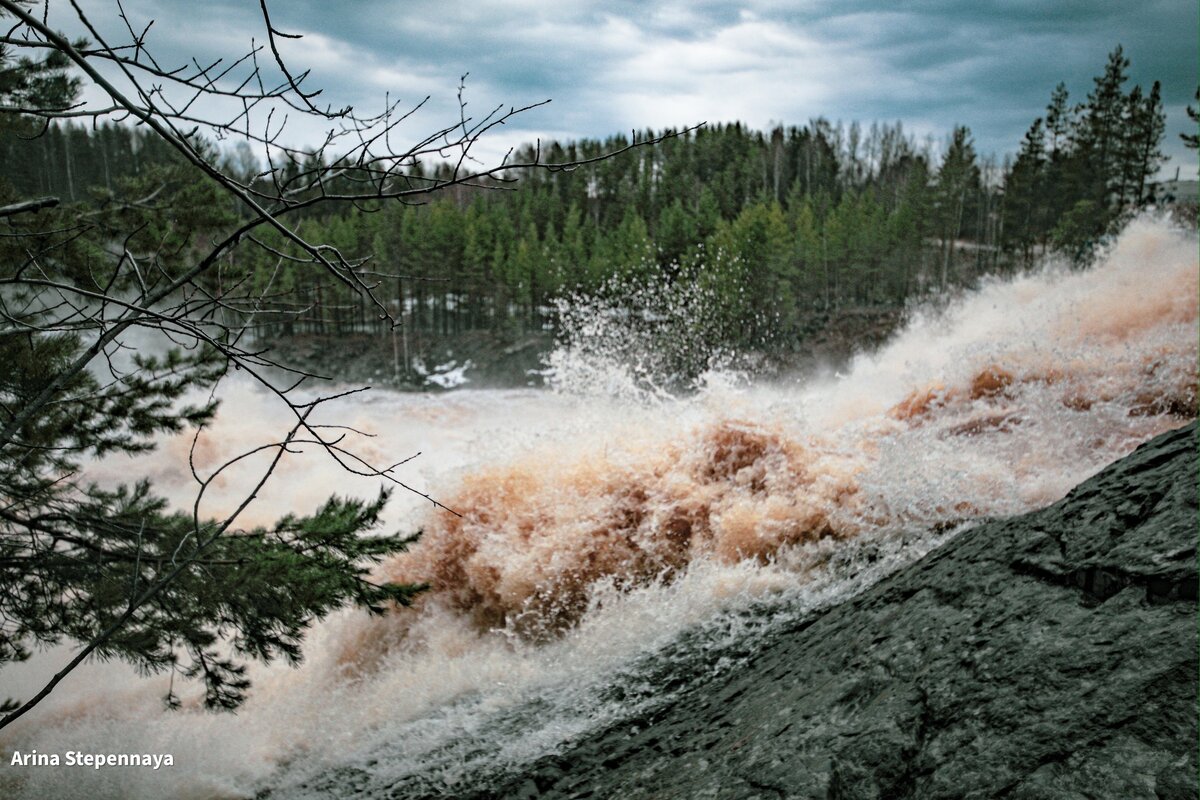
x=793 y=495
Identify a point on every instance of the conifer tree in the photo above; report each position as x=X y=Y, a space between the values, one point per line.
x=186 y=248
x=1100 y=137
x=1142 y=152
x=1024 y=189
x=1192 y=140
x=956 y=185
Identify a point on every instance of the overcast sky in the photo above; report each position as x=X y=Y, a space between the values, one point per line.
x=613 y=66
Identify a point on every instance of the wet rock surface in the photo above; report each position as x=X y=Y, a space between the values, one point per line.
x=1052 y=655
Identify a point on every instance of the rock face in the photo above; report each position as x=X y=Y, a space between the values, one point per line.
x=1052 y=655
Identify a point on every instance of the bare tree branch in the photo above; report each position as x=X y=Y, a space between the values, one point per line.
x=28 y=205
x=149 y=277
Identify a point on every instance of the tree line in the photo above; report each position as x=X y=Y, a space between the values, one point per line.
x=779 y=224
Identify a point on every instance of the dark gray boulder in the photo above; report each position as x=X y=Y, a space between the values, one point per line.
x=1052 y=655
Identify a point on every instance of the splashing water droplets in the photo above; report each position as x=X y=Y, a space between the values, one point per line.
x=648 y=342
x=655 y=514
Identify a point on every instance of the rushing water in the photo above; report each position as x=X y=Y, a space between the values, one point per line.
x=617 y=544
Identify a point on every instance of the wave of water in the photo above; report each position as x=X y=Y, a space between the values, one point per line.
x=618 y=544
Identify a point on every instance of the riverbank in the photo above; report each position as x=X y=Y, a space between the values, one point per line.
x=505 y=360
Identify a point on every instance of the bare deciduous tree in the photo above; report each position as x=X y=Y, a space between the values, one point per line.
x=115 y=570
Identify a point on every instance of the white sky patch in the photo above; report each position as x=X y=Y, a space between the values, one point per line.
x=338 y=62
x=677 y=16
x=747 y=71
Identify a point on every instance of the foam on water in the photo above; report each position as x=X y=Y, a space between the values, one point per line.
x=603 y=539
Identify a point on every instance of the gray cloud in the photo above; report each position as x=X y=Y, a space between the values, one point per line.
x=613 y=66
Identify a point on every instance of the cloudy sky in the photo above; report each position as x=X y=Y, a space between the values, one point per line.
x=615 y=66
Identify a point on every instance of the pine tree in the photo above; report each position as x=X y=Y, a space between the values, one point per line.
x=1100 y=137
x=1024 y=192
x=956 y=185
x=113 y=566
x=1192 y=140
x=1142 y=152
x=112 y=569
x=675 y=235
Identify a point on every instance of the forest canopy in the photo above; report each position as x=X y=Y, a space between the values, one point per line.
x=779 y=224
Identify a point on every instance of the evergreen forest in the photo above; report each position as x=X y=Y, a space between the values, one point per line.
x=777 y=226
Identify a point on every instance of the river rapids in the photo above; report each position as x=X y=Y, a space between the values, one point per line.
x=616 y=543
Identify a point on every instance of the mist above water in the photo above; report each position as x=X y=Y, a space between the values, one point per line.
x=612 y=524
